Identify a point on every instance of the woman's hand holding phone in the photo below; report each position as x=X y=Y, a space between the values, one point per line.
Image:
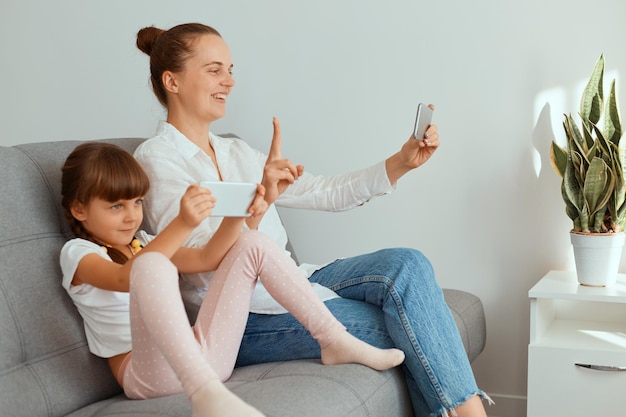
x=423 y=119
x=418 y=149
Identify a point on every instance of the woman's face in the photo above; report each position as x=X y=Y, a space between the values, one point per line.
x=204 y=84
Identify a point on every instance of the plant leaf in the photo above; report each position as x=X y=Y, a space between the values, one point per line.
x=571 y=210
x=591 y=100
x=612 y=122
x=598 y=186
x=571 y=189
x=575 y=139
x=558 y=159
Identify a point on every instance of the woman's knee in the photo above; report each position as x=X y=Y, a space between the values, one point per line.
x=405 y=261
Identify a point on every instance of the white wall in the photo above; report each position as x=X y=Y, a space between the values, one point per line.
x=344 y=77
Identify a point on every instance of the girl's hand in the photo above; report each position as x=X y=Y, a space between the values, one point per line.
x=278 y=173
x=259 y=206
x=196 y=205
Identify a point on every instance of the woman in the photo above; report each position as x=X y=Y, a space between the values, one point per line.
x=388 y=298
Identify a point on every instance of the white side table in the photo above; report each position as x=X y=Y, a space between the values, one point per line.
x=571 y=324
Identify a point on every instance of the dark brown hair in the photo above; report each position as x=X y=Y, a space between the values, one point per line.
x=100 y=170
x=168 y=50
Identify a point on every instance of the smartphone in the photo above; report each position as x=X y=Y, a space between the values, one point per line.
x=422 y=120
x=232 y=199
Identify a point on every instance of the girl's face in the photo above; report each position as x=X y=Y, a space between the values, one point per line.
x=201 y=88
x=114 y=223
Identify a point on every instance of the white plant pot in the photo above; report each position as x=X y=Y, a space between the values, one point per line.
x=597 y=257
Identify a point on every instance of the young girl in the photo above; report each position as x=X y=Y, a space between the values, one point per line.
x=129 y=297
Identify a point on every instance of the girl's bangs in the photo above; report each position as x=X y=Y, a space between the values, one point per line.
x=121 y=178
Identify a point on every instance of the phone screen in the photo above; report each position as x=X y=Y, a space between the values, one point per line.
x=422 y=120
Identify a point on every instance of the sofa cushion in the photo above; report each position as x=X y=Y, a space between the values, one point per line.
x=279 y=388
x=469 y=315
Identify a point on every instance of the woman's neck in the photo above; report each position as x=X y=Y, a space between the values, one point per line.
x=196 y=132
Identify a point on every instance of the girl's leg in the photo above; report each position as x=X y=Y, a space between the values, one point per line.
x=280 y=337
x=166 y=358
x=223 y=314
x=401 y=282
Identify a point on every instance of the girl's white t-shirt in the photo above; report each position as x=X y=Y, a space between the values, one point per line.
x=105 y=313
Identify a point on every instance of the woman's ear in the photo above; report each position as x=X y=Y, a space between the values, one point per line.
x=78 y=211
x=169 y=82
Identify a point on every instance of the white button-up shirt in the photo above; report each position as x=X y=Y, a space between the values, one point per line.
x=173 y=163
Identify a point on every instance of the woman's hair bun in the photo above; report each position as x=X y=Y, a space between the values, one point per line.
x=146 y=38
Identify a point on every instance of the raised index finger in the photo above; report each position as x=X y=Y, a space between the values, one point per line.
x=277 y=142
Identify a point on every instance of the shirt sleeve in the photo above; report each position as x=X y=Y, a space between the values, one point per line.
x=339 y=192
x=71 y=254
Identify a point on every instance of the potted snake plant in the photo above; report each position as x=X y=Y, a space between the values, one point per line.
x=592 y=170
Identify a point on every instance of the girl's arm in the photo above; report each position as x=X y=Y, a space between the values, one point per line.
x=195 y=206
x=192 y=260
x=102 y=273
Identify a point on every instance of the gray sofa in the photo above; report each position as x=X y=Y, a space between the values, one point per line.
x=46 y=368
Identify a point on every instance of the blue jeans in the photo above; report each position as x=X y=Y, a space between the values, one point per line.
x=389 y=299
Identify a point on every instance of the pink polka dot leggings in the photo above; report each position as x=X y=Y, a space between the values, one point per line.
x=169 y=356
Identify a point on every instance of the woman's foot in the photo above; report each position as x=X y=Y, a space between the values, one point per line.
x=346 y=348
x=215 y=400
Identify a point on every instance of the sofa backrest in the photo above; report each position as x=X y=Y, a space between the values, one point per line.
x=46 y=368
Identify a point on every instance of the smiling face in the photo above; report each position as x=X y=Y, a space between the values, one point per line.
x=198 y=93
x=111 y=223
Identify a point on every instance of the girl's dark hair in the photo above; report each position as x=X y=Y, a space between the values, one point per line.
x=100 y=170
x=168 y=50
